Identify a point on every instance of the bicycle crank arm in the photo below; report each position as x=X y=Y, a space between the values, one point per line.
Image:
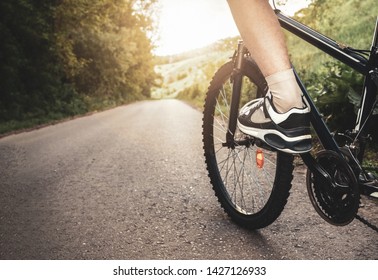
x=316 y=168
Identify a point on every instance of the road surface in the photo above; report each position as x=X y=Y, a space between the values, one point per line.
x=130 y=183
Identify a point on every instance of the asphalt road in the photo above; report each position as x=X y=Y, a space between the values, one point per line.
x=130 y=183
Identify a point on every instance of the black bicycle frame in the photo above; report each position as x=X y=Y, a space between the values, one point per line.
x=366 y=66
x=346 y=55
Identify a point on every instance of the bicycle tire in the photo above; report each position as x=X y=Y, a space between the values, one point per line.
x=237 y=180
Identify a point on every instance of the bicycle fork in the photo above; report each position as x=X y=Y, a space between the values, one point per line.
x=237 y=82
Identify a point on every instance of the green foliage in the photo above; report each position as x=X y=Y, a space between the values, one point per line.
x=335 y=87
x=61 y=58
x=105 y=47
x=30 y=76
x=332 y=88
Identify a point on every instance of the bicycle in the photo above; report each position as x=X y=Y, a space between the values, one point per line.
x=251 y=180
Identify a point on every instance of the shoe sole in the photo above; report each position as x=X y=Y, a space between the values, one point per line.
x=277 y=140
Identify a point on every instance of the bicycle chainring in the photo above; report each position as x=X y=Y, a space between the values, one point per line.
x=336 y=200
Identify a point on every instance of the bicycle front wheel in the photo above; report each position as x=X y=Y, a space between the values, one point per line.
x=251 y=181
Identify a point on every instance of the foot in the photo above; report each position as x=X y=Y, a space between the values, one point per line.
x=287 y=132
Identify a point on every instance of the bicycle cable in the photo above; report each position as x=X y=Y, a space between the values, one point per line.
x=365 y=122
x=364 y=53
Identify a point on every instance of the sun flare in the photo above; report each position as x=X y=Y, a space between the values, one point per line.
x=189 y=24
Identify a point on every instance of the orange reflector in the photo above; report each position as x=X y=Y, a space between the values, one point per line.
x=259 y=158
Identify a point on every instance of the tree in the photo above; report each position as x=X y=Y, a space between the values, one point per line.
x=105 y=47
x=59 y=57
x=30 y=76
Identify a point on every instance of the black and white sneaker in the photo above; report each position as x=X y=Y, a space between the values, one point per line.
x=287 y=132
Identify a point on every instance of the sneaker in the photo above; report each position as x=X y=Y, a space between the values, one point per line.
x=287 y=132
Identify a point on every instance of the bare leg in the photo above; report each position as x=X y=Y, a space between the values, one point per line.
x=262 y=34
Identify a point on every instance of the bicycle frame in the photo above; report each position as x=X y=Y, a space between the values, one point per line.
x=366 y=66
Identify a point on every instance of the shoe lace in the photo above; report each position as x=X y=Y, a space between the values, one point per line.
x=258 y=103
x=247 y=109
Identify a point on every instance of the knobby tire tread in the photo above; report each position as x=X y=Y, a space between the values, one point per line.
x=284 y=170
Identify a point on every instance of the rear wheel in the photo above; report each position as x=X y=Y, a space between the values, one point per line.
x=251 y=180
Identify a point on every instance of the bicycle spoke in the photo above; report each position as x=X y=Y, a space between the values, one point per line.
x=242 y=186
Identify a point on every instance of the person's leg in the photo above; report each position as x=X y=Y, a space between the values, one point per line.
x=280 y=118
x=262 y=34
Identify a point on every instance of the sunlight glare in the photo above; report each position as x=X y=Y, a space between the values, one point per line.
x=189 y=24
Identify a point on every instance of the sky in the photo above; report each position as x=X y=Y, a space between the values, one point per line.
x=189 y=24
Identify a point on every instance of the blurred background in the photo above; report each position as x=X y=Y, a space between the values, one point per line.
x=63 y=58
